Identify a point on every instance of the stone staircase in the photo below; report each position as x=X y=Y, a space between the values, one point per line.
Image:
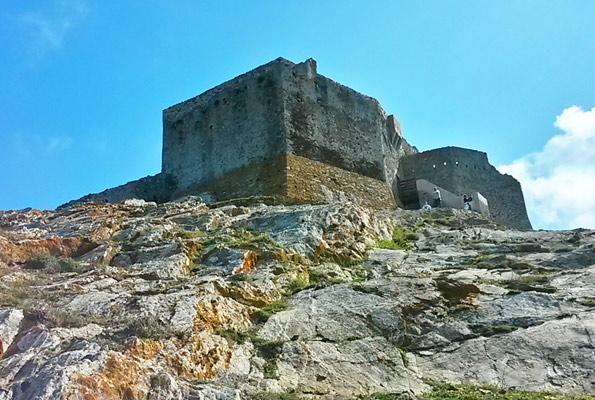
x=408 y=194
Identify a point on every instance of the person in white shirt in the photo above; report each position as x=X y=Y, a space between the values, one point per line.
x=426 y=206
x=437 y=198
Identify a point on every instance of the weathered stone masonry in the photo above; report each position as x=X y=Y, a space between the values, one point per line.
x=463 y=171
x=282 y=114
x=284 y=130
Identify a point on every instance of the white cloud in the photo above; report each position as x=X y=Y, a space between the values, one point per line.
x=34 y=145
x=47 y=28
x=559 y=181
x=57 y=144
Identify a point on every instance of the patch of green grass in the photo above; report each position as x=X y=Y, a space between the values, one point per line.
x=232 y=336
x=460 y=307
x=15 y=293
x=18 y=292
x=70 y=265
x=261 y=315
x=454 y=267
x=472 y=392
x=385 y=396
x=404 y=357
x=402 y=239
x=527 y=283
x=242 y=238
x=312 y=280
x=268 y=351
x=490 y=330
x=587 y=302
x=241 y=277
x=52 y=263
x=187 y=234
x=276 y=396
x=300 y=284
x=66 y=319
x=358 y=286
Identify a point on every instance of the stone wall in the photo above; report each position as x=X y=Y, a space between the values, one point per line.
x=280 y=107
x=333 y=124
x=425 y=190
x=234 y=125
x=283 y=130
x=157 y=188
x=463 y=171
x=268 y=178
x=310 y=181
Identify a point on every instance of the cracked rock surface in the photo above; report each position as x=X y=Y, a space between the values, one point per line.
x=187 y=301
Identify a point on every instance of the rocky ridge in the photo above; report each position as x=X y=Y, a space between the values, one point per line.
x=187 y=301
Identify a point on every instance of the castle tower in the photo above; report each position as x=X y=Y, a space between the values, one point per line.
x=283 y=130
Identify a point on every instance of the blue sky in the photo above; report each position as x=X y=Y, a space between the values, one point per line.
x=83 y=83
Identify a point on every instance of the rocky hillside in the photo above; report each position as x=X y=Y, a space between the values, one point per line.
x=185 y=301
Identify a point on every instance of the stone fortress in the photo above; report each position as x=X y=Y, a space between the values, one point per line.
x=285 y=131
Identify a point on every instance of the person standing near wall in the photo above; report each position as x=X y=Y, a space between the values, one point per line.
x=467 y=201
x=437 y=198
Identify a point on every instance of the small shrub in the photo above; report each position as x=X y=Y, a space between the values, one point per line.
x=66 y=319
x=51 y=263
x=14 y=294
x=276 y=396
x=148 y=328
x=70 y=265
x=268 y=350
x=42 y=261
x=358 y=286
x=232 y=336
x=300 y=284
x=241 y=277
x=404 y=357
x=401 y=240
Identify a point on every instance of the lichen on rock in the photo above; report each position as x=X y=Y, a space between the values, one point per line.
x=294 y=300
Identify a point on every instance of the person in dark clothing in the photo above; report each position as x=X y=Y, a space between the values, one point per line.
x=467 y=201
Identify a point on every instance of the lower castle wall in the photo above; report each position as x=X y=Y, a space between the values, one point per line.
x=266 y=178
x=157 y=188
x=463 y=171
x=289 y=178
x=425 y=190
x=310 y=181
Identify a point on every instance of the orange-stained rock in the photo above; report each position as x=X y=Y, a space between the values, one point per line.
x=250 y=259
x=102 y=233
x=22 y=251
x=248 y=294
x=202 y=357
x=214 y=312
x=124 y=376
